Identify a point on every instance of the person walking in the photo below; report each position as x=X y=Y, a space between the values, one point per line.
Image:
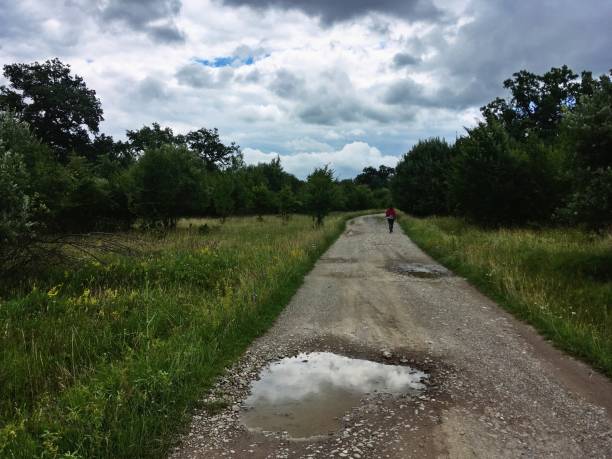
x=390 y=215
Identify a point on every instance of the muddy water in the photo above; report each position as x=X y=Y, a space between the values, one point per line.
x=421 y=270
x=307 y=395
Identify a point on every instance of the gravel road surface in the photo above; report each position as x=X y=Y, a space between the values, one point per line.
x=495 y=388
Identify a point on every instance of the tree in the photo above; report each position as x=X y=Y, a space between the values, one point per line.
x=421 y=182
x=319 y=193
x=375 y=179
x=287 y=202
x=209 y=148
x=538 y=102
x=59 y=107
x=150 y=138
x=167 y=183
x=22 y=212
x=263 y=200
x=589 y=126
x=589 y=133
x=223 y=195
x=497 y=181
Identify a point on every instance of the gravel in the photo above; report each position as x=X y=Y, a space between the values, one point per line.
x=495 y=389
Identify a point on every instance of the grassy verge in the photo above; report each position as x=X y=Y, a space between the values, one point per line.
x=559 y=280
x=107 y=360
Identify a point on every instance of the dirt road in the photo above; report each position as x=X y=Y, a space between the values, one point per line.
x=495 y=389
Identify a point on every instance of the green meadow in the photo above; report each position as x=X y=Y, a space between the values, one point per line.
x=108 y=357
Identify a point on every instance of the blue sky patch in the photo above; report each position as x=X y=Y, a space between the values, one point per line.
x=226 y=61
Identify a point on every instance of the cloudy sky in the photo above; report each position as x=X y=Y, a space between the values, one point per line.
x=349 y=83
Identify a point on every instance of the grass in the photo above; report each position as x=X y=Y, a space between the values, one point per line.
x=108 y=359
x=559 y=280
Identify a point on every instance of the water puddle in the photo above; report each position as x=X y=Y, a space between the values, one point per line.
x=421 y=270
x=307 y=395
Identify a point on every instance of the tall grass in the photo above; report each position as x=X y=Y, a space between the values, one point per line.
x=107 y=359
x=559 y=280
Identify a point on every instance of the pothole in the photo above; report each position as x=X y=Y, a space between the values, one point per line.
x=306 y=396
x=337 y=260
x=421 y=270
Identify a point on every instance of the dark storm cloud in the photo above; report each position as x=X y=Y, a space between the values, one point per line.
x=405 y=60
x=150 y=89
x=197 y=76
x=154 y=17
x=341 y=10
x=409 y=93
x=506 y=37
x=330 y=109
x=287 y=85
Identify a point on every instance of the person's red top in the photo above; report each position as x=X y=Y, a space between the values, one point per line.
x=390 y=212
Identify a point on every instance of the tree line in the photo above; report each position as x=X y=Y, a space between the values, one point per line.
x=59 y=174
x=543 y=156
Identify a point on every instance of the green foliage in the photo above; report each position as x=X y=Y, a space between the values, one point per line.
x=287 y=202
x=264 y=201
x=320 y=193
x=421 y=182
x=58 y=106
x=496 y=181
x=591 y=202
x=223 y=195
x=107 y=360
x=537 y=103
x=167 y=183
x=590 y=127
x=375 y=179
x=207 y=145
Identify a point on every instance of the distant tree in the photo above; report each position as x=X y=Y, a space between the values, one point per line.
x=223 y=195
x=167 y=183
x=287 y=202
x=209 y=148
x=357 y=197
x=58 y=106
x=319 y=193
x=374 y=178
x=264 y=201
x=421 y=182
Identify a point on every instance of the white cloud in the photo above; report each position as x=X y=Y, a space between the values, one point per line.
x=304 y=87
x=346 y=162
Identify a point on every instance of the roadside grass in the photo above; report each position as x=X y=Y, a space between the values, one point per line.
x=108 y=359
x=559 y=280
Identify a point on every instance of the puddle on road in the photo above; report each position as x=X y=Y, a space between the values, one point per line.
x=421 y=270
x=307 y=395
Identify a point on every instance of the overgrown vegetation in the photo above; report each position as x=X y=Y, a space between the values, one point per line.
x=105 y=359
x=60 y=175
x=559 y=280
x=543 y=157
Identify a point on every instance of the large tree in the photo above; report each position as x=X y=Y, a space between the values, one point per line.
x=421 y=181
x=208 y=146
x=538 y=101
x=59 y=107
